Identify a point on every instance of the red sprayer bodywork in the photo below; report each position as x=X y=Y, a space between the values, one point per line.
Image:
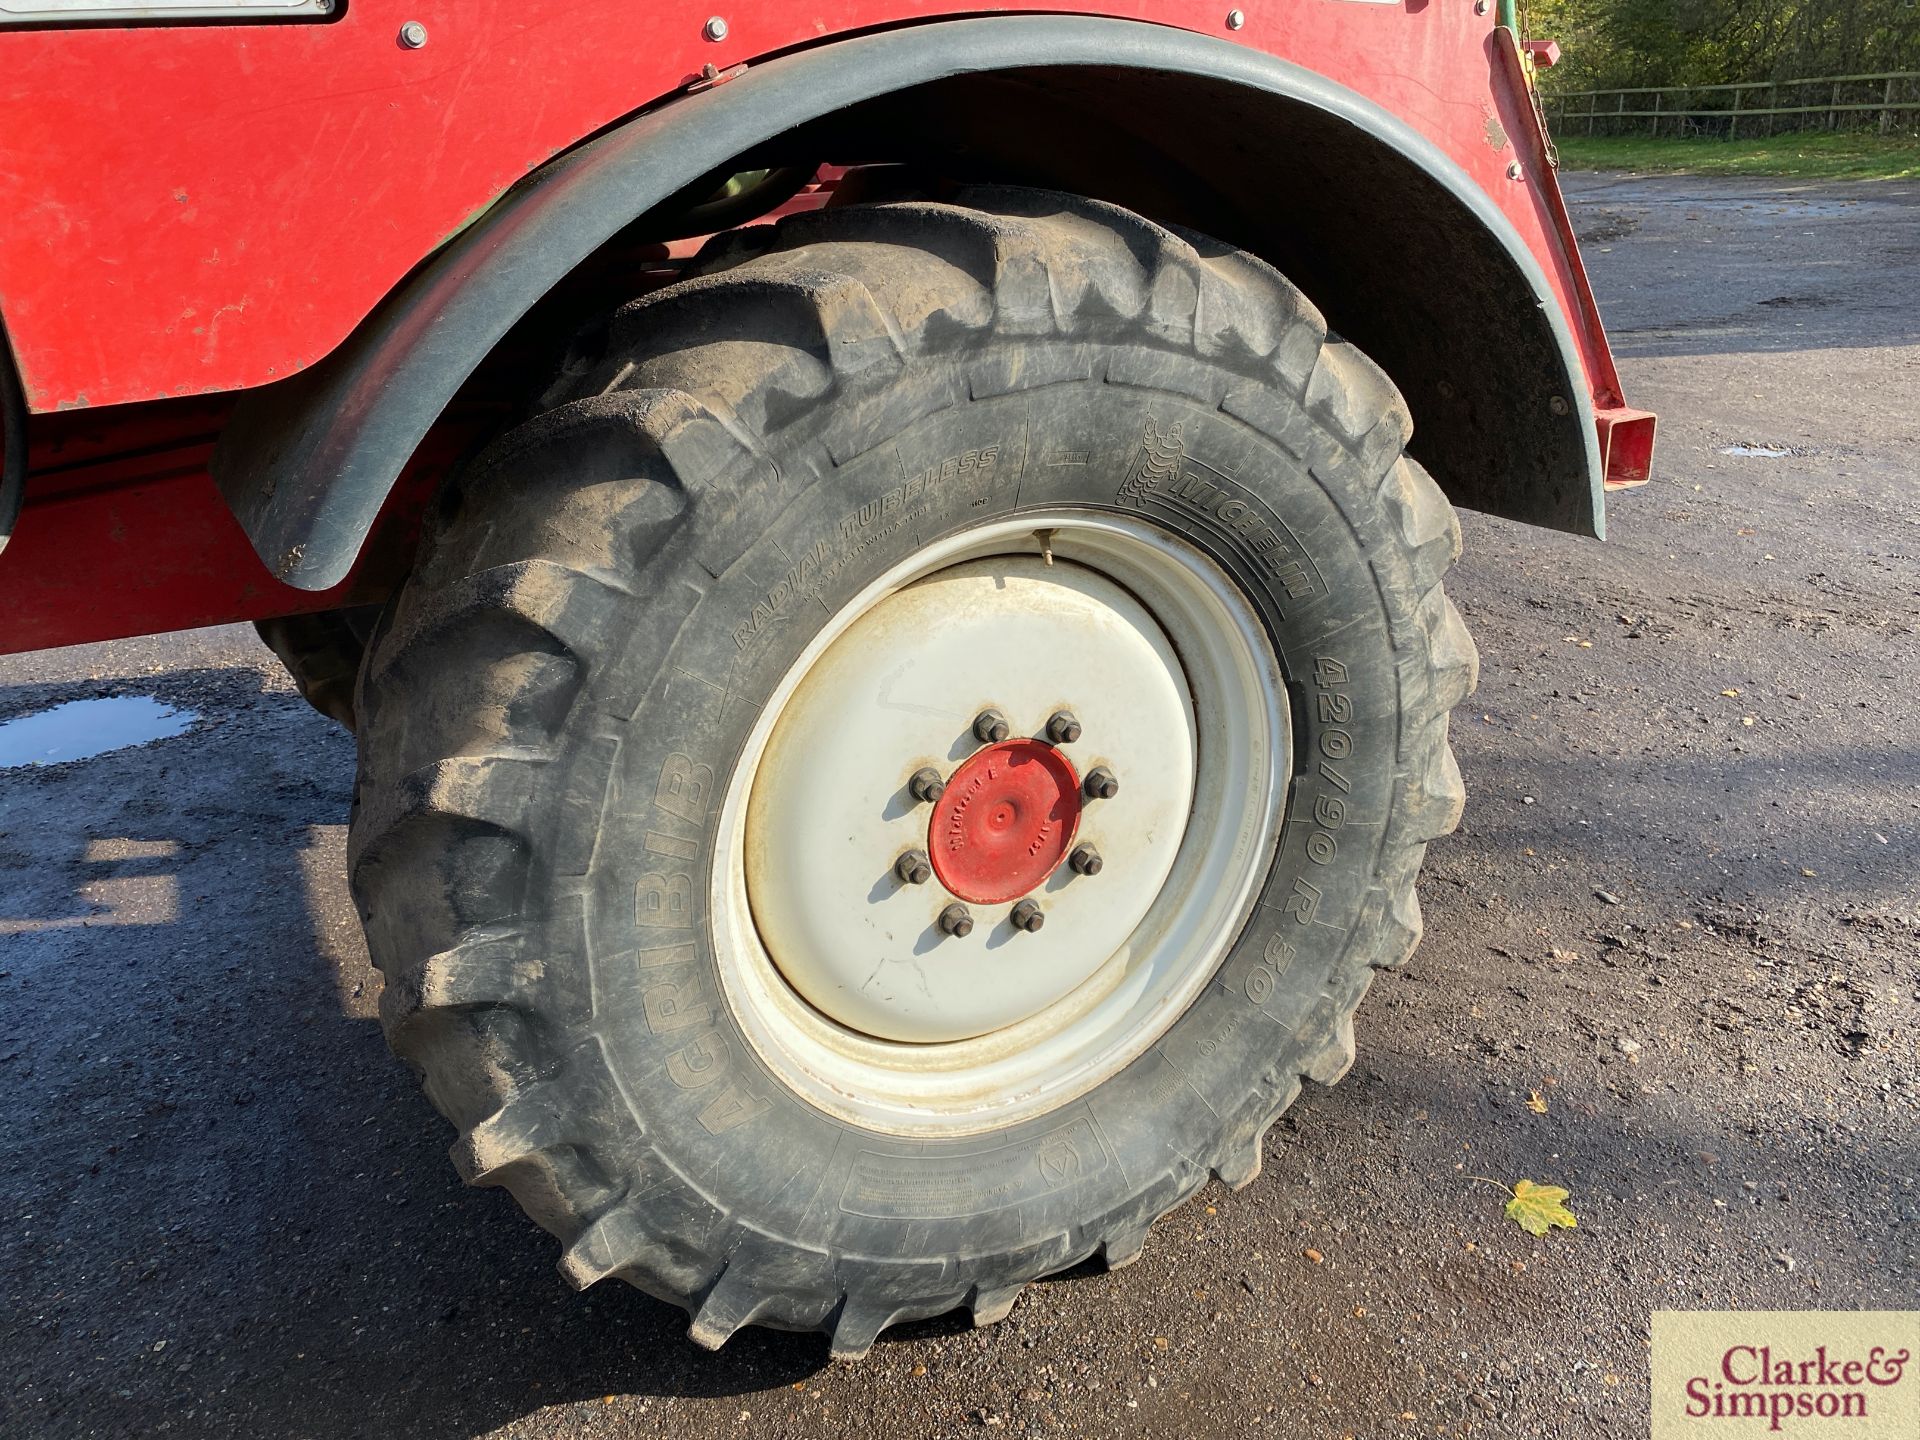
x=190 y=211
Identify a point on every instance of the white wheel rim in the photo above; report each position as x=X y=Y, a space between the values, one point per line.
x=838 y=971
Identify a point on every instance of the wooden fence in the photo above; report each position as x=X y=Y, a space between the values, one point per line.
x=1888 y=103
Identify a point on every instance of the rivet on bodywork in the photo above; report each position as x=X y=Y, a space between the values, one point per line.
x=413 y=35
x=1236 y=19
x=1515 y=171
x=1558 y=405
x=715 y=29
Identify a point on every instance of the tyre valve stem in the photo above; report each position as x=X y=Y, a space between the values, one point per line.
x=1045 y=537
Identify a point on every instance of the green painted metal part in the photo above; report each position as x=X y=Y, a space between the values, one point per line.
x=1509 y=15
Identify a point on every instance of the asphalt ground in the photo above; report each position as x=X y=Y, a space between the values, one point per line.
x=1682 y=912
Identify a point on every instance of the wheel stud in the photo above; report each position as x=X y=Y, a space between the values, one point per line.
x=957 y=920
x=990 y=727
x=1101 y=784
x=926 y=786
x=1062 y=727
x=1085 y=860
x=914 y=867
x=1027 y=916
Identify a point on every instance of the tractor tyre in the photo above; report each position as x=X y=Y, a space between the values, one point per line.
x=904 y=768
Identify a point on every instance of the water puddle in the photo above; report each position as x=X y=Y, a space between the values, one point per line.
x=1757 y=452
x=82 y=729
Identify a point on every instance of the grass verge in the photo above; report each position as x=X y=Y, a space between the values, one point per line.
x=1804 y=157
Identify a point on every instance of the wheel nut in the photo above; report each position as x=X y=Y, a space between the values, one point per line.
x=1100 y=784
x=914 y=868
x=1027 y=916
x=1062 y=727
x=926 y=786
x=957 y=920
x=1085 y=860
x=991 y=727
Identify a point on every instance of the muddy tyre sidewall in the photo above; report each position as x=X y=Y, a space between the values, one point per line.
x=698 y=1089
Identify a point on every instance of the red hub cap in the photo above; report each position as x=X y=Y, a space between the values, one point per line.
x=1005 y=821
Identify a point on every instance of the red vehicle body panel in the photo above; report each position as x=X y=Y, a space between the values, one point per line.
x=206 y=208
x=192 y=210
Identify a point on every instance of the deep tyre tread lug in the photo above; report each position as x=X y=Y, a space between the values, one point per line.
x=1123 y=1247
x=1403 y=928
x=1331 y=1065
x=1454 y=657
x=487 y=967
x=732 y=1303
x=1431 y=807
x=559 y=608
x=991 y=1306
x=514 y=1136
x=1242 y=1168
x=1353 y=397
x=857 y=1325
x=604 y=1247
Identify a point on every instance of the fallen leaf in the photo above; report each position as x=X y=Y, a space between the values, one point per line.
x=1314 y=1255
x=1536 y=1102
x=1536 y=1209
x=1730 y=693
x=1810 y=874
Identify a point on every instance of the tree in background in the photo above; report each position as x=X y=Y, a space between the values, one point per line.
x=1618 y=43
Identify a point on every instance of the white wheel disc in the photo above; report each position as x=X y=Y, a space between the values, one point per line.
x=838 y=964
x=831 y=813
